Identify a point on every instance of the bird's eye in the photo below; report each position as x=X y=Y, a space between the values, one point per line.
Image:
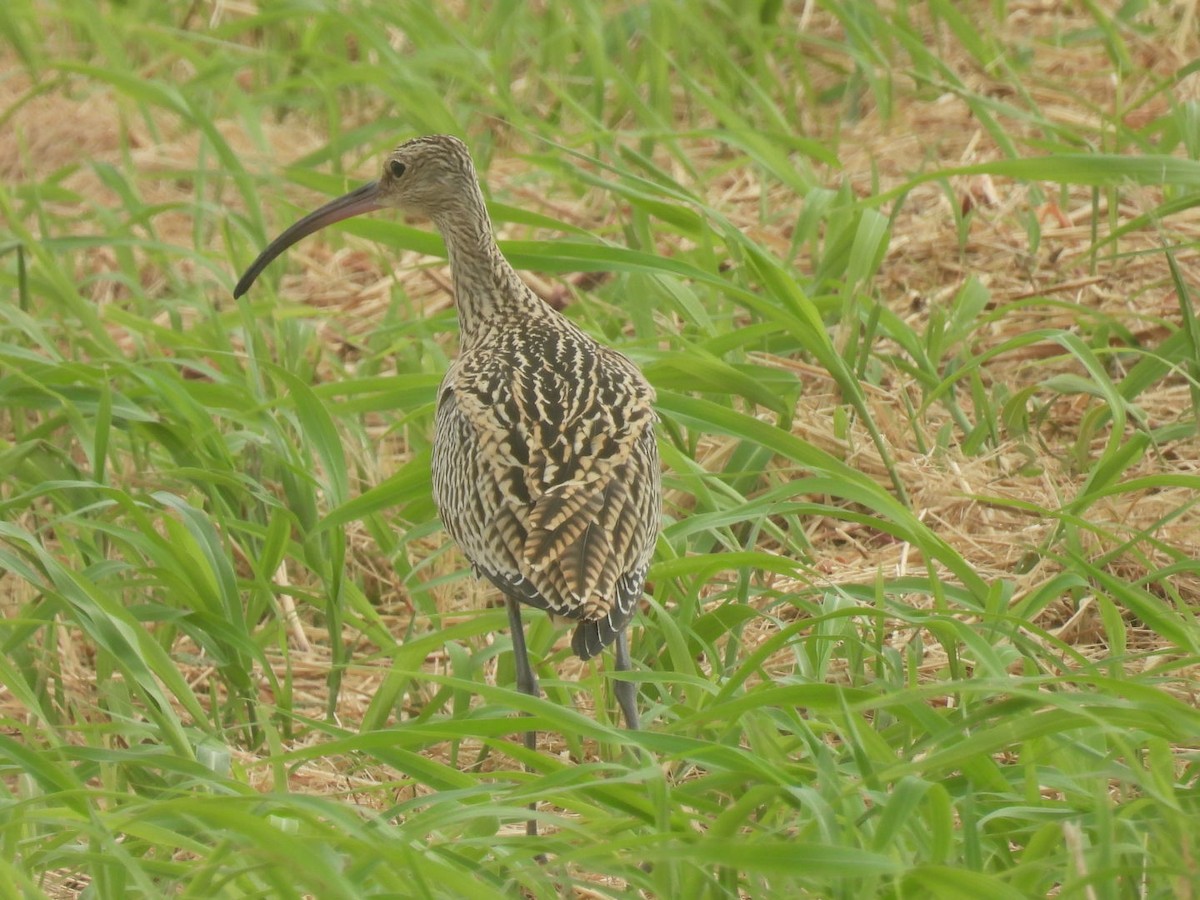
x=396 y=168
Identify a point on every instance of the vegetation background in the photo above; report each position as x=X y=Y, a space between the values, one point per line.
x=915 y=283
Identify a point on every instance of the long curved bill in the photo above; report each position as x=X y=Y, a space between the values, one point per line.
x=362 y=200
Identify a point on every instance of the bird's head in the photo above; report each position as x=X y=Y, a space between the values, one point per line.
x=427 y=175
x=430 y=176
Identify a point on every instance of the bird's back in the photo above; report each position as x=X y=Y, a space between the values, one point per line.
x=545 y=470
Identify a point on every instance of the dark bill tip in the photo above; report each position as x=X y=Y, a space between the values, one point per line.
x=363 y=200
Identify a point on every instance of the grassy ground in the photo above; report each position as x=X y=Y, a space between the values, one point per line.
x=915 y=284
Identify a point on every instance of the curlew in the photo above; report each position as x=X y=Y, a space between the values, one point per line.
x=545 y=466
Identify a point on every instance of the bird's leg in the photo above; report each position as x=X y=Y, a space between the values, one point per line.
x=527 y=682
x=626 y=691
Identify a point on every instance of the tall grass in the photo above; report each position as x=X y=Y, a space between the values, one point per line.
x=180 y=471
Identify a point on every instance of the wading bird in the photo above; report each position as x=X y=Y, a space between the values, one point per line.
x=545 y=466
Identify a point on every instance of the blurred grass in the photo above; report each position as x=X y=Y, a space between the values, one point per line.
x=177 y=467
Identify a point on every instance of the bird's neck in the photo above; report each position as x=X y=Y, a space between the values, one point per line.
x=487 y=290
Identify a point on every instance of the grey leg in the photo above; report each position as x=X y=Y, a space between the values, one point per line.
x=626 y=691
x=527 y=682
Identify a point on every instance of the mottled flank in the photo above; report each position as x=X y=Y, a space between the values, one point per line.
x=545 y=466
x=545 y=470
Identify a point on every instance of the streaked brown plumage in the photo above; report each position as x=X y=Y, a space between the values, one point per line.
x=545 y=466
